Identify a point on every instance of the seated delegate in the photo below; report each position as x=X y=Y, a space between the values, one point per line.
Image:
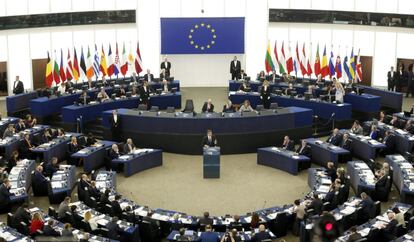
x=208 y=107
x=246 y=107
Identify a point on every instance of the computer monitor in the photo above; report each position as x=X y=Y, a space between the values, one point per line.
x=173 y=90
x=278 y=92
x=293 y=93
x=128 y=94
x=158 y=91
x=308 y=95
x=85 y=87
x=247 y=78
x=113 y=96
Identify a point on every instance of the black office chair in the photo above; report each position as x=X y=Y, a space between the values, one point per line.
x=189 y=106
x=52 y=212
x=39 y=190
x=281 y=225
x=108 y=210
x=10 y=220
x=23 y=229
x=85 y=226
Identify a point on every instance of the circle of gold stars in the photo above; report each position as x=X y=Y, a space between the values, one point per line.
x=209 y=44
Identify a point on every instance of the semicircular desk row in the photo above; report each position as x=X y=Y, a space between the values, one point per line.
x=236 y=133
x=278 y=219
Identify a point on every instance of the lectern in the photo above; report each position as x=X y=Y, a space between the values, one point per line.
x=211 y=162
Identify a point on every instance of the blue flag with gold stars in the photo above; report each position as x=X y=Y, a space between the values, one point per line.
x=202 y=35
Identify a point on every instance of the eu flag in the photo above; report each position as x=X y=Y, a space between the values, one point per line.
x=202 y=35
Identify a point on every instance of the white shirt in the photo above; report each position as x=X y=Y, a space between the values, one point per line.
x=15 y=83
x=116 y=118
x=235 y=63
x=62 y=89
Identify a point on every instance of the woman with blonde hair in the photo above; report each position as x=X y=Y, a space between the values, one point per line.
x=90 y=220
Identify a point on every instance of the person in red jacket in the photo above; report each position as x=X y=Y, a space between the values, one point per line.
x=36 y=224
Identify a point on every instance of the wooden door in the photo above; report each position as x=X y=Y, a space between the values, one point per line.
x=39 y=73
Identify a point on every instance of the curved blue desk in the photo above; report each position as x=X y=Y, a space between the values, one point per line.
x=19 y=102
x=322 y=109
x=182 y=133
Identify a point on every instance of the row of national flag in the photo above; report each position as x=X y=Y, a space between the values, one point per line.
x=96 y=64
x=282 y=61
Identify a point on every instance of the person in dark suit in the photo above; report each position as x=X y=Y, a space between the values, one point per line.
x=399 y=78
x=5 y=193
x=346 y=142
x=20 y=126
x=235 y=68
x=367 y=205
x=104 y=199
x=18 y=86
x=40 y=180
x=90 y=84
x=22 y=214
x=331 y=193
x=51 y=167
x=73 y=148
x=316 y=204
x=25 y=147
x=116 y=207
x=205 y=220
x=149 y=77
x=84 y=98
x=261 y=235
x=94 y=191
x=265 y=94
x=166 y=65
x=395 y=122
x=304 y=149
x=144 y=94
x=84 y=182
x=391 y=79
x=208 y=107
x=288 y=144
x=45 y=137
x=410 y=81
x=409 y=127
x=389 y=141
x=242 y=74
x=12 y=162
x=290 y=89
x=209 y=140
x=114 y=152
x=115 y=122
x=90 y=140
x=129 y=146
x=114 y=231
x=48 y=229
x=335 y=137
x=331 y=171
x=229 y=107
x=390 y=231
x=121 y=92
x=354 y=236
x=181 y=236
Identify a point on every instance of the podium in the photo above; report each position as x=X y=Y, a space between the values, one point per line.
x=211 y=162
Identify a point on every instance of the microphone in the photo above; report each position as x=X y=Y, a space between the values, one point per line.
x=264 y=204
x=333 y=114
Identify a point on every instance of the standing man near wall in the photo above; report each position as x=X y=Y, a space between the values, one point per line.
x=235 y=68
x=166 y=65
x=18 y=86
x=391 y=79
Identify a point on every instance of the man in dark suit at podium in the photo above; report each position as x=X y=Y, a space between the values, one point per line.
x=209 y=140
x=18 y=86
x=166 y=65
x=235 y=68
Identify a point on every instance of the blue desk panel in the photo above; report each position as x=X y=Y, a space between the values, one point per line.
x=19 y=102
x=281 y=159
x=366 y=103
x=93 y=157
x=183 y=134
x=323 y=152
x=321 y=109
x=140 y=162
x=389 y=99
